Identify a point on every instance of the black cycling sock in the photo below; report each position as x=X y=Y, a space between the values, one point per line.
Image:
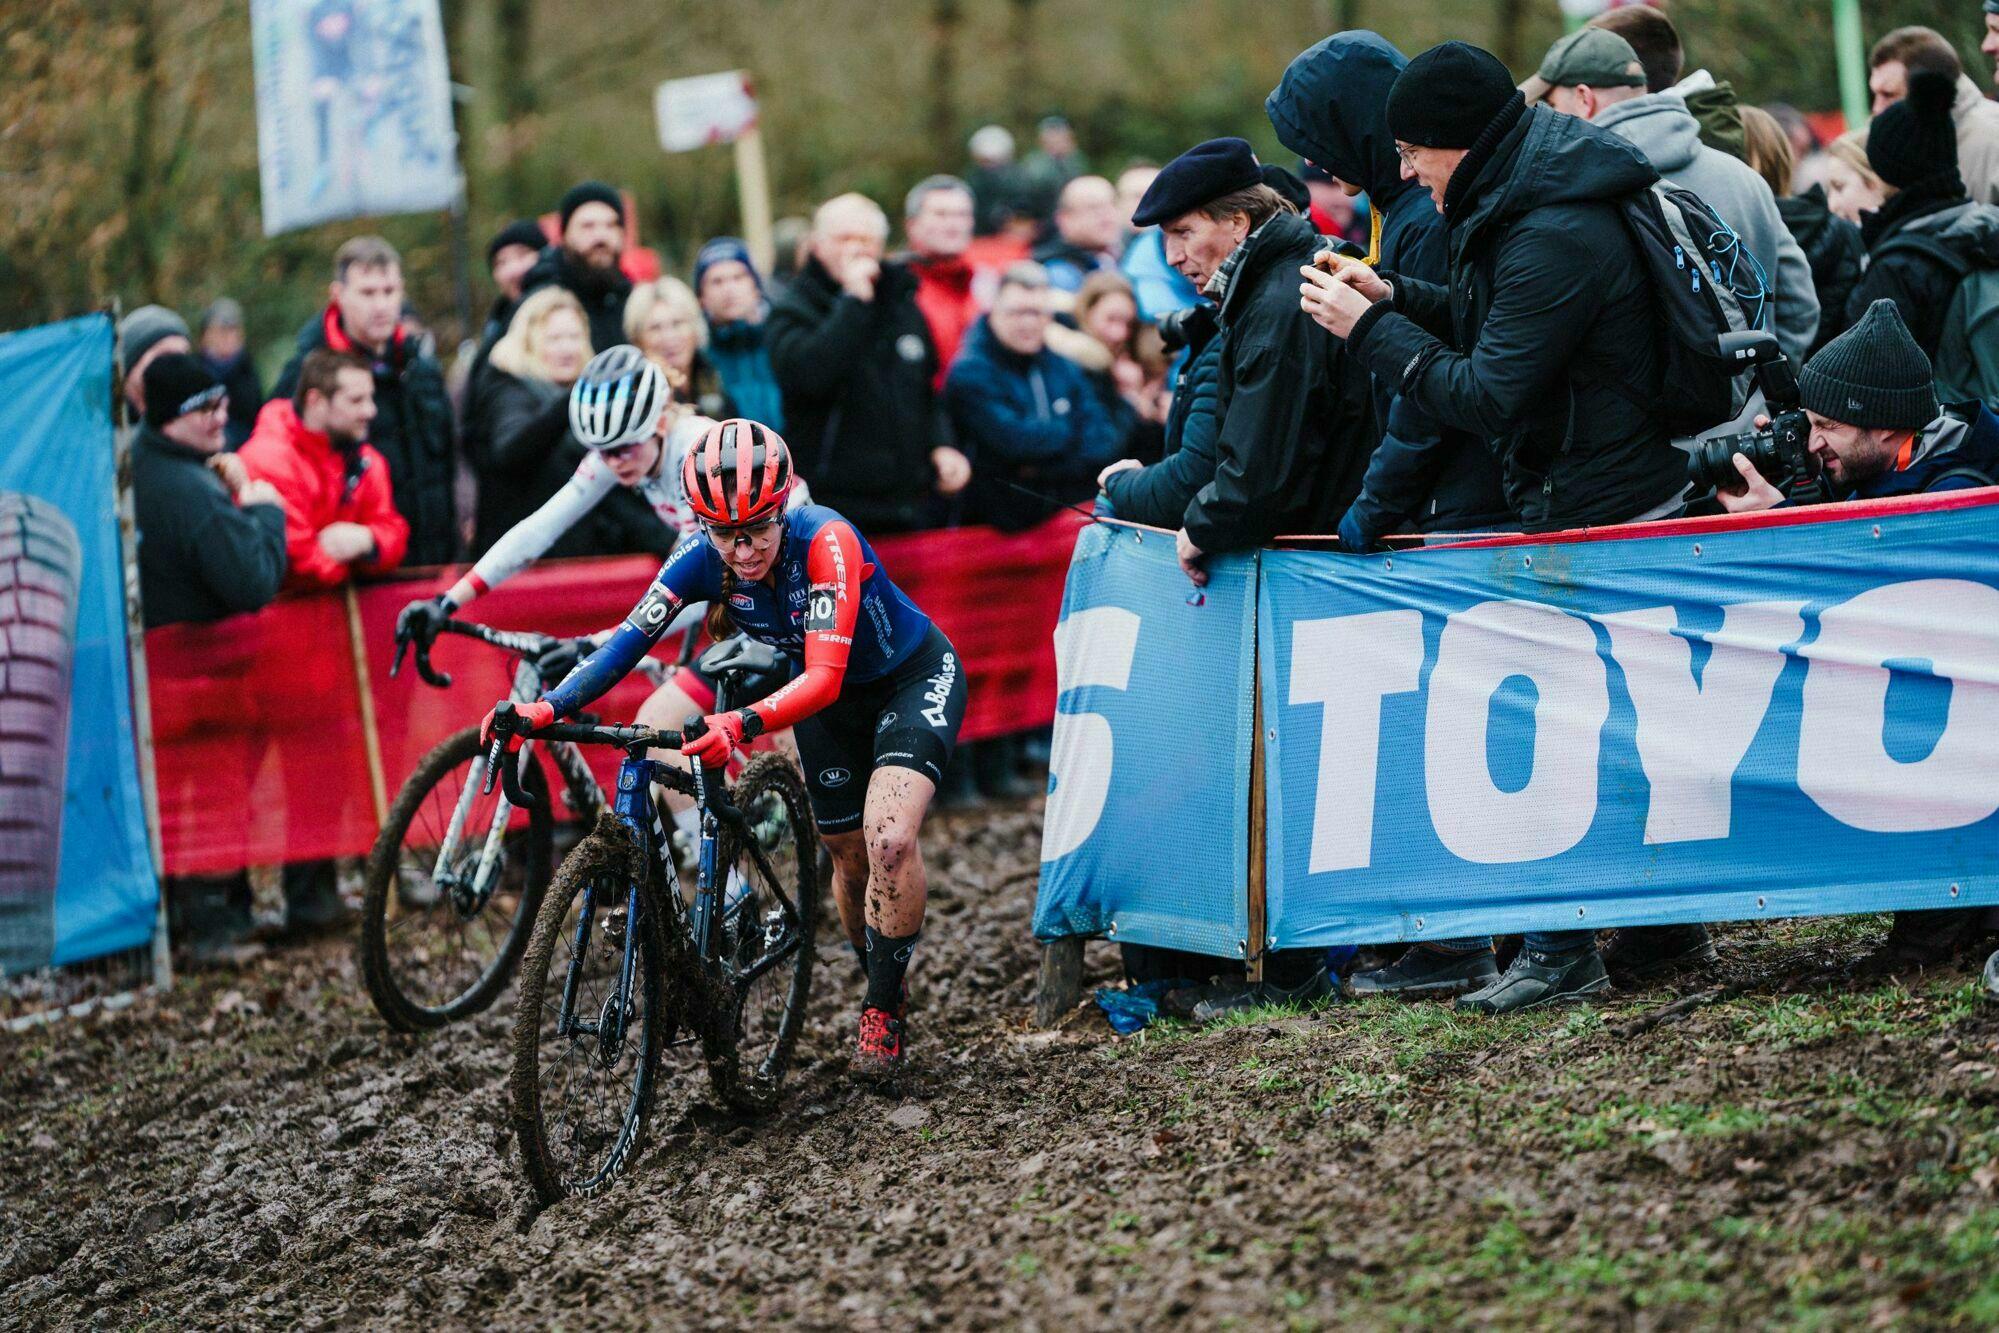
x=888 y=960
x=860 y=957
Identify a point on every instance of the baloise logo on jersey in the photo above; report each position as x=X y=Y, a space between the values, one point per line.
x=939 y=692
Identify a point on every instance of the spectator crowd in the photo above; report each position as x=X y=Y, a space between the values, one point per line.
x=1440 y=316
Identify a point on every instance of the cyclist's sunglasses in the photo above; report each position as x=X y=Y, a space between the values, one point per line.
x=751 y=534
x=627 y=450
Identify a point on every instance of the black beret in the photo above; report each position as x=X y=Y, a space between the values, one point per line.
x=1202 y=174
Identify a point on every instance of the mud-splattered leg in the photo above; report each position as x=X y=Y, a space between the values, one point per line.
x=890 y=822
x=850 y=881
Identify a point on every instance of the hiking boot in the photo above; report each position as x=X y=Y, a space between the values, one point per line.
x=1424 y=971
x=1182 y=1003
x=209 y=921
x=878 y=1052
x=1536 y=979
x=1234 y=997
x=1639 y=953
x=1920 y=940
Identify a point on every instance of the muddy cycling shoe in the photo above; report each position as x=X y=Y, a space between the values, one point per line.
x=1235 y=997
x=1423 y=972
x=1640 y=953
x=878 y=1052
x=1536 y=979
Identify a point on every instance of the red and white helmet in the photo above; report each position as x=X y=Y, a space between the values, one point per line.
x=738 y=473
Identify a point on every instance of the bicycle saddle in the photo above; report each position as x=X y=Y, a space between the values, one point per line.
x=740 y=655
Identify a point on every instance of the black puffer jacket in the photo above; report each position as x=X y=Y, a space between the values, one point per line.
x=1903 y=238
x=1833 y=248
x=201 y=556
x=1296 y=414
x=1331 y=108
x=861 y=412
x=524 y=454
x=602 y=293
x=412 y=429
x=1546 y=340
x=1157 y=495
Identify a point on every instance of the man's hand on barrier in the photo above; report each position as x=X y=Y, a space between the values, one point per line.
x=1190 y=558
x=537 y=714
x=1756 y=491
x=1336 y=300
x=346 y=542
x=1122 y=465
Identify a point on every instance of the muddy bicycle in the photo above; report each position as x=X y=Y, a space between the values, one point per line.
x=621 y=972
x=456 y=874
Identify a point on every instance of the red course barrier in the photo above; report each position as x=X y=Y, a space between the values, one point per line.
x=257 y=732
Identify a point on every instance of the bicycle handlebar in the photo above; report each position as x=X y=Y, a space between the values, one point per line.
x=524 y=642
x=506 y=723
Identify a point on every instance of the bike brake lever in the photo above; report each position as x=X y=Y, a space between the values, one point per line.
x=431 y=676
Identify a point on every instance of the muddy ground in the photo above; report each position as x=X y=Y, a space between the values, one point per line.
x=256 y=1150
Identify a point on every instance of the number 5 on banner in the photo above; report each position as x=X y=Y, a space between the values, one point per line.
x=1094 y=647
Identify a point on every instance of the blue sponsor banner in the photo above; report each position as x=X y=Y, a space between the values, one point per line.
x=353 y=110
x=1718 y=724
x=76 y=874
x=1146 y=839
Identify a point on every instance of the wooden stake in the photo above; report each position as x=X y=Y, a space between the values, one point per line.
x=1061 y=983
x=753 y=186
x=371 y=738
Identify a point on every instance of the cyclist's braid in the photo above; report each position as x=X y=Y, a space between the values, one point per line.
x=718 y=623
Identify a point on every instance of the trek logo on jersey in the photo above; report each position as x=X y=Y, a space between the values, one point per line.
x=939 y=692
x=654 y=611
x=839 y=557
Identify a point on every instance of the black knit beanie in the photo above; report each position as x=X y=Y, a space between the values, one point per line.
x=177 y=384
x=590 y=192
x=1446 y=97
x=1914 y=143
x=522 y=232
x=1872 y=376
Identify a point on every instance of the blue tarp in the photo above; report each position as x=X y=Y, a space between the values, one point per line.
x=1722 y=724
x=56 y=447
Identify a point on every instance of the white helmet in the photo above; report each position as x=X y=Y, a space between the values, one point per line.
x=617 y=400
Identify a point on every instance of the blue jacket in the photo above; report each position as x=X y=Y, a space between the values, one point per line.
x=738 y=354
x=1032 y=420
x=1331 y=109
x=1160 y=288
x=1158 y=495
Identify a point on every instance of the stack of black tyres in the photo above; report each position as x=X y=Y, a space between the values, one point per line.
x=40 y=563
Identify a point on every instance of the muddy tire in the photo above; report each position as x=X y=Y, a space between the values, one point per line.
x=569 y=1145
x=40 y=561
x=765 y=954
x=429 y=960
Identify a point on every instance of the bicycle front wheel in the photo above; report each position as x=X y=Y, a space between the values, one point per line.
x=587 y=1038
x=452 y=886
x=765 y=930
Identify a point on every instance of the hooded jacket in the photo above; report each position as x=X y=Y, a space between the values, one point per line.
x=1903 y=237
x=1833 y=248
x=201 y=556
x=1295 y=421
x=602 y=294
x=1977 y=119
x=1547 y=330
x=857 y=379
x=323 y=485
x=1028 y=419
x=1330 y=108
x=1669 y=136
x=412 y=431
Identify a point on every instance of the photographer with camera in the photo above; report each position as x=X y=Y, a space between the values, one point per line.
x=1874 y=425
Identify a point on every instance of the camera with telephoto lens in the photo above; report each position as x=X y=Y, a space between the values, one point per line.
x=1780 y=451
x=1177 y=328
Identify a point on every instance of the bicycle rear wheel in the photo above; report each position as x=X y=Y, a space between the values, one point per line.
x=450 y=899
x=764 y=935
x=583 y=1084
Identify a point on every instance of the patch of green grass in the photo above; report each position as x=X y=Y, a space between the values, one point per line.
x=1024 y=1266
x=1786 y=1021
x=1647 y=1123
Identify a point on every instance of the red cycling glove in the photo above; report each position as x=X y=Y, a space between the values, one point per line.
x=724 y=732
x=536 y=714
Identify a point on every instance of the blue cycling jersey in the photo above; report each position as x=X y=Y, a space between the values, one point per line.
x=806 y=581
